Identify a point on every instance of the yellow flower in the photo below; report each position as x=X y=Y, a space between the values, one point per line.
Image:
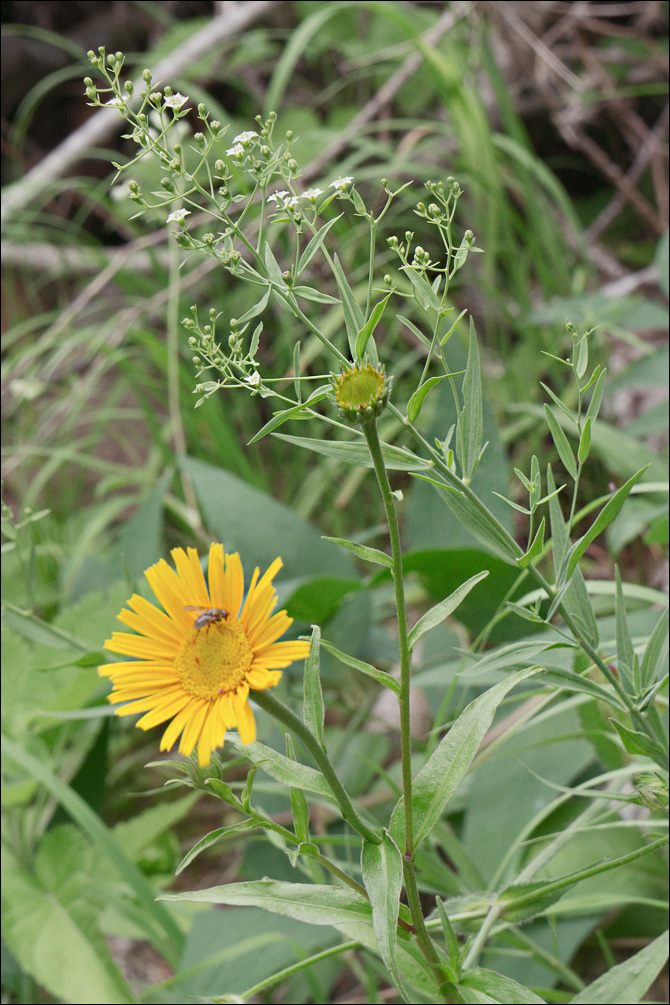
x=200 y=677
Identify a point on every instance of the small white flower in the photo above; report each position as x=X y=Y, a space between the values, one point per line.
x=175 y=101
x=278 y=197
x=312 y=193
x=235 y=151
x=253 y=379
x=293 y=201
x=178 y=215
x=246 y=137
x=341 y=183
x=115 y=102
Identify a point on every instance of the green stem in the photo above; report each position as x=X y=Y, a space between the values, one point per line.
x=423 y=938
x=280 y=711
x=295 y=968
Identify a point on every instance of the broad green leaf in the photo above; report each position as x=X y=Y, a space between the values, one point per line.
x=605 y=517
x=561 y=443
x=313 y=711
x=656 y=654
x=166 y=935
x=395 y=458
x=416 y=401
x=279 y=418
x=450 y=761
x=315 y=243
x=381 y=866
x=471 y=420
x=379 y=675
x=497 y=988
x=310 y=902
x=281 y=768
x=49 y=923
x=628 y=982
x=442 y=610
x=362 y=551
x=368 y=328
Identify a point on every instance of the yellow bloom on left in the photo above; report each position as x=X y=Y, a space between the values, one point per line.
x=200 y=678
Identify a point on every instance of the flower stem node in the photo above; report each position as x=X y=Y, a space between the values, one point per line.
x=361 y=392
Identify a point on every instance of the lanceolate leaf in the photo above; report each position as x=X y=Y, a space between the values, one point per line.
x=471 y=421
x=313 y=708
x=314 y=245
x=561 y=443
x=396 y=458
x=282 y=769
x=369 y=327
x=279 y=418
x=656 y=654
x=604 y=518
x=379 y=675
x=450 y=761
x=362 y=551
x=496 y=987
x=626 y=983
x=381 y=865
x=353 y=316
x=442 y=610
x=312 y=903
x=416 y=401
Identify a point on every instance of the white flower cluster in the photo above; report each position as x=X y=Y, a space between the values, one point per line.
x=284 y=199
x=241 y=142
x=340 y=184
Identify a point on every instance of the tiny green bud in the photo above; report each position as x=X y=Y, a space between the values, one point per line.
x=196 y=361
x=111 y=59
x=207 y=329
x=421 y=207
x=156 y=98
x=208 y=239
x=202 y=111
x=231 y=341
x=384 y=183
x=146 y=76
x=468 y=236
x=289 y=135
x=119 y=57
x=133 y=186
x=292 y=165
x=166 y=183
x=434 y=209
x=88 y=82
x=387 y=280
x=199 y=138
x=129 y=87
x=192 y=340
x=219 y=166
x=177 y=148
x=168 y=91
x=215 y=125
x=91 y=55
x=265 y=151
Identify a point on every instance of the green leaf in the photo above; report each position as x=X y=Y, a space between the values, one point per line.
x=313 y=711
x=395 y=458
x=626 y=658
x=213 y=837
x=381 y=865
x=379 y=675
x=307 y=293
x=639 y=743
x=282 y=769
x=315 y=243
x=49 y=922
x=597 y=397
x=166 y=934
x=481 y=523
x=416 y=401
x=450 y=761
x=656 y=654
x=416 y=331
x=362 y=551
x=561 y=443
x=279 y=418
x=369 y=327
x=257 y=309
x=310 y=902
x=584 y=442
x=299 y=805
x=604 y=518
x=41 y=632
x=628 y=982
x=353 y=316
x=535 y=548
x=440 y=611
x=423 y=291
x=497 y=988
x=274 y=269
x=471 y=419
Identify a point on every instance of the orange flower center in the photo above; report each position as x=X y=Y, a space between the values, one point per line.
x=214 y=659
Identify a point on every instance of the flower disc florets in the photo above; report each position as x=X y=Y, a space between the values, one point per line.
x=361 y=392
